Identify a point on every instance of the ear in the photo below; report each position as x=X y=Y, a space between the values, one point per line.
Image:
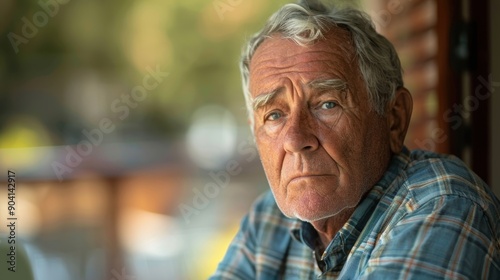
x=399 y=114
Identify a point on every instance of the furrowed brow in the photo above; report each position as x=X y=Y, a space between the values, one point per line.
x=325 y=84
x=263 y=99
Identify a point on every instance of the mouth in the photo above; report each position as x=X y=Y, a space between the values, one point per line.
x=306 y=177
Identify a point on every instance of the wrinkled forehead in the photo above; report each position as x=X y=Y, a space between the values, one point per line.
x=331 y=56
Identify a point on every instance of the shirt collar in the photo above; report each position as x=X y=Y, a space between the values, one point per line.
x=336 y=252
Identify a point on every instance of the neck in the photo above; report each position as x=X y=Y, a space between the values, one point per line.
x=327 y=228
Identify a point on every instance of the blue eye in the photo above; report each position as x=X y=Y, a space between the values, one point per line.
x=273 y=116
x=328 y=105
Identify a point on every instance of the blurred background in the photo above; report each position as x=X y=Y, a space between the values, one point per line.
x=124 y=123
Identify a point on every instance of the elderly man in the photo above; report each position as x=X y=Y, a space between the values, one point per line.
x=329 y=113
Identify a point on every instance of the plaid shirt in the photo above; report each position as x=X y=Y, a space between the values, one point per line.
x=429 y=217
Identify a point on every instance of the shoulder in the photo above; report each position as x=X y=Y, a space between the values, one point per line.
x=433 y=177
x=440 y=165
x=430 y=174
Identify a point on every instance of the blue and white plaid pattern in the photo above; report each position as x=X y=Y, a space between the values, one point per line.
x=429 y=217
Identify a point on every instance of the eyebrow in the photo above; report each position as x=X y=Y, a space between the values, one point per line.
x=263 y=99
x=320 y=84
x=325 y=84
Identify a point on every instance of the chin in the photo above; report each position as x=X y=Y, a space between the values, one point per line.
x=311 y=217
x=306 y=213
x=314 y=212
x=311 y=206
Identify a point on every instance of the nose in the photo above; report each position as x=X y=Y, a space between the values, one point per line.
x=300 y=135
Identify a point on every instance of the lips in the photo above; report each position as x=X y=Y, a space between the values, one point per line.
x=306 y=176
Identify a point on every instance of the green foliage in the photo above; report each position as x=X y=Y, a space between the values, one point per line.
x=110 y=44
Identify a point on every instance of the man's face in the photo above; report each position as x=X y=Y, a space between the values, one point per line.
x=321 y=143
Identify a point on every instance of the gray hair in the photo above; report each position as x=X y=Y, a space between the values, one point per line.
x=306 y=23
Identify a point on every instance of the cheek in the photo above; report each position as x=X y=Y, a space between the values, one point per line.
x=270 y=157
x=340 y=142
x=348 y=144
